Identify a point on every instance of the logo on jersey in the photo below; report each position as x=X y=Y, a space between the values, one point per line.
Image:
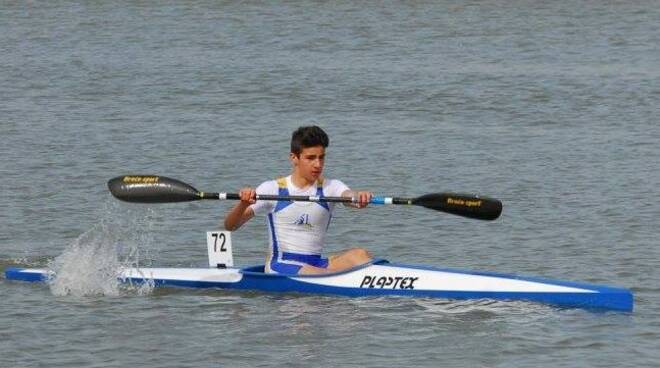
x=303 y=220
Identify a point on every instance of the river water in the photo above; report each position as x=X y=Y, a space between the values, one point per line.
x=550 y=107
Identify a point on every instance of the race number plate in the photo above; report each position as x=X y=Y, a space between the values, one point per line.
x=219 y=246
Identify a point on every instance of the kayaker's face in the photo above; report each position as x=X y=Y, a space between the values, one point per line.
x=309 y=163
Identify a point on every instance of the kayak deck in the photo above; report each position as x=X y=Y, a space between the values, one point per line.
x=379 y=278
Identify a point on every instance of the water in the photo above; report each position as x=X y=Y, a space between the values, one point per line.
x=551 y=108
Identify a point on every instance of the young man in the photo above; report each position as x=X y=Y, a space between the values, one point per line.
x=297 y=229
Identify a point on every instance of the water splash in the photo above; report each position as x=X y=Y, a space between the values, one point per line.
x=90 y=266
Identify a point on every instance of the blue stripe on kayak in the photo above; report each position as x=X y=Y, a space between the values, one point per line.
x=619 y=301
x=604 y=297
x=20 y=274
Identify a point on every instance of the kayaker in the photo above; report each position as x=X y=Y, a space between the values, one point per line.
x=297 y=229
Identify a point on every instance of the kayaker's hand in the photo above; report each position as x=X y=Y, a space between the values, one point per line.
x=363 y=199
x=248 y=196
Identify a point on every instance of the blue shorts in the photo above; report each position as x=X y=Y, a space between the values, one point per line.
x=291 y=263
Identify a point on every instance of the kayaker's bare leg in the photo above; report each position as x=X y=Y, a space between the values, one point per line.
x=340 y=262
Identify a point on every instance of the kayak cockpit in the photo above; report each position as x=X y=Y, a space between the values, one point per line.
x=259 y=270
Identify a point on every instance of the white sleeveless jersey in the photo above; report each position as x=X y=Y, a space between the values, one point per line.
x=297 y=227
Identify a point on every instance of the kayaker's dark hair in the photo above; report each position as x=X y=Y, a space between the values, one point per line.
x=308 y=136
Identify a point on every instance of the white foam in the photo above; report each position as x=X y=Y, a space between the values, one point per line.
x=90 y=265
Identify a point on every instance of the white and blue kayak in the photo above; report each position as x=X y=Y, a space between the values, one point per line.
x=379 y=278
x=376 y=278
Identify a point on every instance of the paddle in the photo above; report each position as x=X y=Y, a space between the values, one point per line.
x=160 y=189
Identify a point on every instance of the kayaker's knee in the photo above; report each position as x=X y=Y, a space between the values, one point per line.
x=361 y=254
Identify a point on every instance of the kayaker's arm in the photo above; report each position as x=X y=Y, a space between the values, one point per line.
x=363 y=198
x=241 y=213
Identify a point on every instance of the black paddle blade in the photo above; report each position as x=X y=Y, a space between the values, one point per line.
x=466 y=205
x=151 y=189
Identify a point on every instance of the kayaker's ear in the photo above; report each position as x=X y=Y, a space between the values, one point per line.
x=294 y=158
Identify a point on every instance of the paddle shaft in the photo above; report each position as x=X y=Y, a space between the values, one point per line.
x=268 y=197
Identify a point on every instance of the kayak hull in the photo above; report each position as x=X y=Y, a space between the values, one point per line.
x=379 y=278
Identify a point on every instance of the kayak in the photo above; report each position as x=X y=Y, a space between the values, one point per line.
x=378 y=278
x=375 y=278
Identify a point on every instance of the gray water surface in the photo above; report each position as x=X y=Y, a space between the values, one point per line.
x=550 y=107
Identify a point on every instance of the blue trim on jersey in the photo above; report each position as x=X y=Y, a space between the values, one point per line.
x=274 y=253
x=282 y=204
x=285 y=268
x=319 y=193
x=285 y=192
x=311 y=259
x=292 y=268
